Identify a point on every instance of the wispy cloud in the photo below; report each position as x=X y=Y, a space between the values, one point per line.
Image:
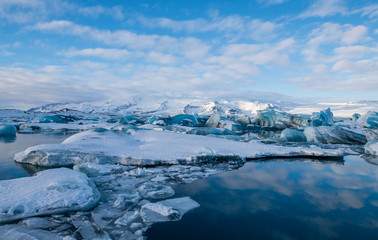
x=255 y=29
x=324 y=8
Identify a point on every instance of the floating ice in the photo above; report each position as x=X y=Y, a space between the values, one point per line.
x=322 y=118
x=292 y=135
x=371 y=148
x=17 y=232
x=369 y=120
x=280 y=120
x=94 y=169
x=149 y=147
x=7 y=130
x=333 y=135
x=56 y=119
x=167 y=210
x=127 y=119
x=49 y=192
x=155 y=190
x=182 y=119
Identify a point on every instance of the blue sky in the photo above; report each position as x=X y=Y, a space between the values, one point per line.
x=70 y=51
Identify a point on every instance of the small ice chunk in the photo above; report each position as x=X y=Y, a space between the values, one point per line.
x=183 y=204
x=7 y=130
x=167 y=210
x=182 y=119
x=94 y=169
x=38 y=223
x=293 y=135
x=128 y=218
x=51 y=191
x=126 y=199
x=158 y=212
x=155 y=191
x=371 y=148
x=14 y=232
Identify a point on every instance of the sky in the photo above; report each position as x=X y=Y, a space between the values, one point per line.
x=72 y=51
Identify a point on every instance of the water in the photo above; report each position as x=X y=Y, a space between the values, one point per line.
x=281 y=200
x=12 y=145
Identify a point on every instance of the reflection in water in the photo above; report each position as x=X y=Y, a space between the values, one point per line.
x=281 y=200
x=9 y=146
x=8 y=138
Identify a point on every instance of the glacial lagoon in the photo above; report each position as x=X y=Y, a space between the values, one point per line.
x=281 y=199
x=290 y=198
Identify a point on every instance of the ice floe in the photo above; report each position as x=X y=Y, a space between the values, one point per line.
x=149 y=148
x=49 y=192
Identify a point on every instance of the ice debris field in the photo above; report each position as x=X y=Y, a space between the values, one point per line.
x=114 y=177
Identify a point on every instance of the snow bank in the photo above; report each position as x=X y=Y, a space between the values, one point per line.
x=49 y=192
x=150 y=147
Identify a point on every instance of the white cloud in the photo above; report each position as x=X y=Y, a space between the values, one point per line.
x=189 y=47
x=369 y=11
x=324 y=8
x=96 y=11
x=114 y=54
x=255 y=29
x=20 y=87
x=271 y=2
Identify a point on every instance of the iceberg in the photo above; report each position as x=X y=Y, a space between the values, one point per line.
x=280 y=120
x=292 y=135
x=322 y=118
x=333 y=135
x=213 y=121
x=51 y=191
x=369 y=120
x=371 y=148
x=57 y=119
x=151 y=148
x=181 y=119
x=127 y=119
x=7 y=130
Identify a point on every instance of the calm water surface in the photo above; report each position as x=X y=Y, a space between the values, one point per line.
x=281 y=200
x=12 y=145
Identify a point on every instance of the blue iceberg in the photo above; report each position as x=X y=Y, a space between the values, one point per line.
x=333 y=135
x=369 y=120
x=293 y=135
x=7 y=130
x=57 y=119
x=322 y=118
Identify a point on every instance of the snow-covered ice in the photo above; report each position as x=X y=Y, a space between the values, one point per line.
x=49 y=192
x=144 y=147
